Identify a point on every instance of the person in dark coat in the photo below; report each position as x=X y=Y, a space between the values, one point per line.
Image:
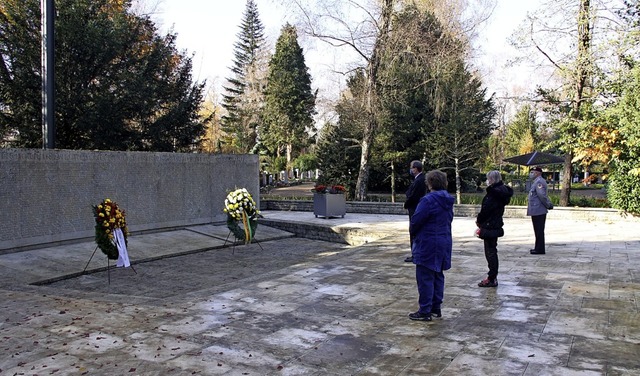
x=490 y=218
x=414 y=193
x=432 y=245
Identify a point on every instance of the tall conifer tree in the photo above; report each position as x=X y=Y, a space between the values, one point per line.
x=120 y=85
x=244 y=90
x=289 y=100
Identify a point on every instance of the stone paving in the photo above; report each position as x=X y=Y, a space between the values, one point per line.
x=293 y=306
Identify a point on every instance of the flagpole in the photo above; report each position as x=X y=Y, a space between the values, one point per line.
x=47 y=10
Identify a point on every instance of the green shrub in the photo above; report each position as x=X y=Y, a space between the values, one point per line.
x=582 y=187
x=520 y=199
x=624 y=191
x=589 y=202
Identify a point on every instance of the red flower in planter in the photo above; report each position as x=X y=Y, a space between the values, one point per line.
x=331 y=189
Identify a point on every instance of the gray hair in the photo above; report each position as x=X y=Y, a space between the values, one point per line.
x=494 y=177
x=436 y=180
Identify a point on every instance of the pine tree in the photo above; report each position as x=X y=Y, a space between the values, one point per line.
x=521 y=133
x=289 y=100
x=244 y=90
x=119 y=84
x=338 y=147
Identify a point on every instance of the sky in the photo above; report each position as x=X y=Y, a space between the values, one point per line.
x=208 y=30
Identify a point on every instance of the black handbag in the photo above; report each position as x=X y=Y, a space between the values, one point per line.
x=491 y=233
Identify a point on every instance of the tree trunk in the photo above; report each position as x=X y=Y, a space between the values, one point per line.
x=565 y=192
x=583 y=70
x=365 y=154
x=393 y=182
x=458 y=182
x=287 y=168
x=372 y=124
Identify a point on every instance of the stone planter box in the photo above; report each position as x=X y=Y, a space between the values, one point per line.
x=329 y=205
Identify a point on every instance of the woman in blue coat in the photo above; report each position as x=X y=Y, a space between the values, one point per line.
x=432 y=245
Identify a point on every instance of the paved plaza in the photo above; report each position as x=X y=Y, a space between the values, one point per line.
x=193 y=305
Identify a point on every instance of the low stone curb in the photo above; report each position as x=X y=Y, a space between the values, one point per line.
x=335 y=234
x=578 y=214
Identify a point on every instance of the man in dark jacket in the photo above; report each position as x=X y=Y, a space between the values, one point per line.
x=414 y=193
x=489 y=222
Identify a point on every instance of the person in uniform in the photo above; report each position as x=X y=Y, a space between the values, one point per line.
x=538 y=204
x=414 y=193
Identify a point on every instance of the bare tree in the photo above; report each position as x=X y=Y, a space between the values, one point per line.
x=573 y=37
x=363 y=30
x=461 y=18
x=362 y=27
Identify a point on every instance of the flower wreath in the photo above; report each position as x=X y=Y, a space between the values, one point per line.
x=108 y=218
x=241 y=208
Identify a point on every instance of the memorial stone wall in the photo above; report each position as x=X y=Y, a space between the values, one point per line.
x=46 y=196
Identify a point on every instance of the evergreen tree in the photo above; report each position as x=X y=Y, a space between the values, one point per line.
x=119 y=85
x=462 y=128
x=619 y=137
x=338 y=148
x=521 y=135
x=289 y=100
x=430 y=104
x=244 y=90
x=405 y=93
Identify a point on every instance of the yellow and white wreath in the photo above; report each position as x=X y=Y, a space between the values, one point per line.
x=109 y=217
x=242 y=214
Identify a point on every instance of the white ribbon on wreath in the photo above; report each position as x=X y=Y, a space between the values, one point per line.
x=123 y=256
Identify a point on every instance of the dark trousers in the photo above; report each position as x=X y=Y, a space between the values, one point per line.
x=430 y=289
x=538 y=229
x=411 y=211
x=491 y=254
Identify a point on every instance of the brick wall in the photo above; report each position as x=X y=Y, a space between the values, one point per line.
x=46 y=195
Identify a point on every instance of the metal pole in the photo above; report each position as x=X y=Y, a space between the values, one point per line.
x=47 y=10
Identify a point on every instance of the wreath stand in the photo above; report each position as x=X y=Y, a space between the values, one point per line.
x=247 y=228
x=233 y=250
x=108 y=266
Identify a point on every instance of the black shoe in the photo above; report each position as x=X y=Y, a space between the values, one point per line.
x=417 y=316
x=534 y=252
x=488 y=283
x=409 y=259
x=436 y=313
